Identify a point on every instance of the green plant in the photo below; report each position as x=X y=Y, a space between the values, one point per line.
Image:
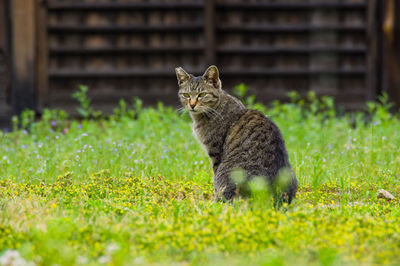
x=85 y=108
x=122 y=112
x=241 y=91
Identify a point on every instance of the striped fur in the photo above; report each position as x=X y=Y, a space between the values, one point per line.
x=234 y=136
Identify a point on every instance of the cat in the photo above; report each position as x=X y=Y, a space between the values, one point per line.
x=235 y=137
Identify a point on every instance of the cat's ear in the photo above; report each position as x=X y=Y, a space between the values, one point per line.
x=181 y=75
x=211 y=75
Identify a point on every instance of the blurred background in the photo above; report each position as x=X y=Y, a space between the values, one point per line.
x=349 y=49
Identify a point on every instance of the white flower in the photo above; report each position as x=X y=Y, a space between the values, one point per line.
x=113 y=246
x=81 y=260
x=104 y=259
x=13 y=258
x=139 y=260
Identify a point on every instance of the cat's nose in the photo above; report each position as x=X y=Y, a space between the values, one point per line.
x=192 y=103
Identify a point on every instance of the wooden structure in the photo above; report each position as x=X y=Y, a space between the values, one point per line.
x=129 y=48
x=392 y=47
x=5 y=97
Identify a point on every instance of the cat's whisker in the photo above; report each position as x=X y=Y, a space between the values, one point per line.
x=207 y=112
x=214 y=112
x=181 y=110
x=217 y=115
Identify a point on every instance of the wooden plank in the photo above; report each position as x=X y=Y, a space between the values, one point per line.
x=106 y=101
x=59 y=74
x=292 y=50
x=299 y=28
x=200 y=48
x=124 y=50
x=107 y=6
x=42 y=55
x=62 y=29
x=348 y=95
x=107 y=96
x=23 y=55
x=209 y=31
x=289 y=72
x=291 y=5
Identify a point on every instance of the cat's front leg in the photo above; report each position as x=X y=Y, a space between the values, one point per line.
x=214 y=153
x=224 y=188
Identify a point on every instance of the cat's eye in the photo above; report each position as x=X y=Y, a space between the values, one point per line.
x=202 y=94
x=186 y=95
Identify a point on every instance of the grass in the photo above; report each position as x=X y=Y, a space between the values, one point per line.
x=136 y=188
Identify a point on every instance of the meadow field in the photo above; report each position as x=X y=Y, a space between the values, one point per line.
x=135 y=188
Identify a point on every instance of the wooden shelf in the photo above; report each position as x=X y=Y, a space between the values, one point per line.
x=124 y=50
x=198 y=26
x=60 y=74
x=291 y=50
x=122 y=29
x=300 y=28
x=57 y=74
x=297 y=72
x=63 y=6
x=200 y=49
x=292 y=6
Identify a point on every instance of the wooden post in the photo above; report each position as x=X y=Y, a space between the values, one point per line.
x=209 y=32
x=4 y=45
x=4 y=64
x=374 y=56
x=23 y=55
x=3 y=26
x=42 y=55
x=391 y=28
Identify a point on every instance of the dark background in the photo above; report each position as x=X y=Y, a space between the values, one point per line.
x=348 y=49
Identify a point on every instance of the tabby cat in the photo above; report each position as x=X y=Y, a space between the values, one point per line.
x=234 y=136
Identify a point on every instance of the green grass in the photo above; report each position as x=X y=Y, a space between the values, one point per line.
x=136 y=188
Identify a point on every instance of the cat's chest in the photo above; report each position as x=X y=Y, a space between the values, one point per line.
x=209 y=135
